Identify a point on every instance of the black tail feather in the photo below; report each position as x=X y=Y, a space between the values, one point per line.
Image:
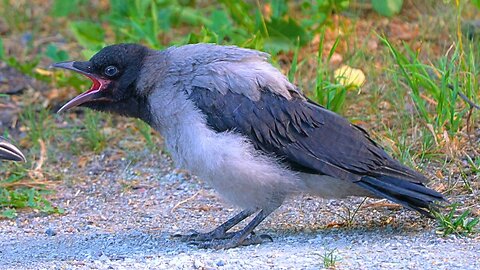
x=414 y=196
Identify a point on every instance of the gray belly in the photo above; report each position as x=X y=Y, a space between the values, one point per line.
x=329 y=187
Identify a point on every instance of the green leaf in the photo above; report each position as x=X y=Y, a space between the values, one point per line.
x=239 y=11
x=285 y=33
x=274 y=45
x=62 y=8
x=9 y=213
x=89 y=35
x=472 y=223
x=279 y=8
x=56 y=54
x=476 y=3
x=387 y=8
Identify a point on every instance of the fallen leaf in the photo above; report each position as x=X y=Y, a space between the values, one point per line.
x=43 y=72
x=349 y=77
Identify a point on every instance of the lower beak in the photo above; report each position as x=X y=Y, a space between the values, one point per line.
x=90 y=95
x=9 y=151
x=93 y=94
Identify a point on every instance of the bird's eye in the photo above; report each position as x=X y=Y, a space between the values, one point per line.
x=111 y=71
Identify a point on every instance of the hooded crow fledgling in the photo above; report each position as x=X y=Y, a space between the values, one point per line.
x=9 y=151
x=231 y=118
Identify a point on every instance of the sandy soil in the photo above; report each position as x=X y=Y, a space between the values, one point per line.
x=122 y=215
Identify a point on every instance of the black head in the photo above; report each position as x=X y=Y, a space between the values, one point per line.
x=114 y=72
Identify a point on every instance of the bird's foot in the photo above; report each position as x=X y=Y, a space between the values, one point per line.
x=233 y=242
x=194 y=236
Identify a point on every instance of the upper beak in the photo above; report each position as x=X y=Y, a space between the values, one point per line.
x=92 y=94
x=9 y=151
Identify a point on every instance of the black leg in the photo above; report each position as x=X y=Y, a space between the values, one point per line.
x=218 y=233
x=243 y=237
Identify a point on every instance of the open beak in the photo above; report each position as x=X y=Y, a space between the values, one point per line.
x=94 y=93
x=8 y=151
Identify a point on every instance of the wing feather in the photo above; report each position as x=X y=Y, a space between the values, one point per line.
x=303 y=134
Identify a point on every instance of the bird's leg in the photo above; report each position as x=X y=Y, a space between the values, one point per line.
x=243 y=237
x=218 y=233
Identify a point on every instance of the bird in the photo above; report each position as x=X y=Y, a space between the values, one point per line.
x=228 y=116
x=9 y=151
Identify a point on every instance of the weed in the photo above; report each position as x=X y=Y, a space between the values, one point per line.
x=435 y=89
x=330 y=94
x=10 y=200
x=330 y=259
x=350 y=215
x=451 y=223
x=67 y=138
x=146 y=132
x=17 y=192
x=94 y=136
x=474 y=164
x=39 y=125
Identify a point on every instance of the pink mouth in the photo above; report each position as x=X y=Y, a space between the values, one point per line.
x=99 y=84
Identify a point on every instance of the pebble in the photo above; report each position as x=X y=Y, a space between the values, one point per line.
x=198 y=264
x=50 y=232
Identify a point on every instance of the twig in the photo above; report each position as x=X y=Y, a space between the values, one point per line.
x=37 y=173
x=185 y=201
x=43 y=155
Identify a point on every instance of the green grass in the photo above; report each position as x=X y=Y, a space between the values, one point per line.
x=95 y=139
x=330 y=259
x=146 y=132
x=460 y=224
x=13 y=199
x=435 y=88
x=350 y=214
x=39 y=123
x=327 y=92
x=17 y=191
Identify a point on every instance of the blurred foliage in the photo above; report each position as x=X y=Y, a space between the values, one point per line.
x=227 y=22
x=387 y=7
x=271 y=27
x=476 y=3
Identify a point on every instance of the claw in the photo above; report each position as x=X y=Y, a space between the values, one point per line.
x=266 y=237
x=189 y=237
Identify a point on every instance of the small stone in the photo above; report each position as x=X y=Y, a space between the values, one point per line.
x=50 y=232
x=98 y=253
x=198 y=264
x=104 y=258
x=220 y=263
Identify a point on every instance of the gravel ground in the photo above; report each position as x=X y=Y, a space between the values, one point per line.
x=122 y=215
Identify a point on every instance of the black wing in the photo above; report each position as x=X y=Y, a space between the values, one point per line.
x=311 y=139
x=306 y=136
